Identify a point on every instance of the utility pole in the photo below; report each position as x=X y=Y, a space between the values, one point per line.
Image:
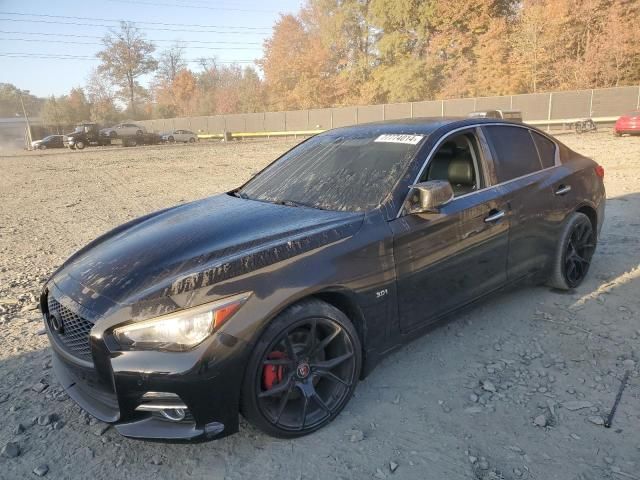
x=26 y=118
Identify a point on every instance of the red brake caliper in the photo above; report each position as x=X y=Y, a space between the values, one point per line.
x=272 y=374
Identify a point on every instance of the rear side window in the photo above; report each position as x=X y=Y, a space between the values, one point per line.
x=546 y=149
x=515 y=151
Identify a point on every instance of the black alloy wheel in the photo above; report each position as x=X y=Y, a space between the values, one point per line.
x=305 y=374
x=576 y=247
x=578 y=253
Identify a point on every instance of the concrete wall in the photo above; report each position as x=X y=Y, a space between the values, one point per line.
x=603 y=102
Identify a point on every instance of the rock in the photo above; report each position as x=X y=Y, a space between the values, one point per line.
x=596 y=420
x=574 y=405
x=58 y=425
x=156 y=460
x=393 y=466
x=355 y=435
x=379 y=474
x=473 y=397
x=488 y=386
x=39 y=387
x=483 y=464
x=20 y=428
x=396 y=400
x=473 y=459
x=41 y=470
x=629 y=364
x=101 y=429
x=44 y=420
x=608 y=460
x=473 y=410
x=540 y=421
x=10 y=450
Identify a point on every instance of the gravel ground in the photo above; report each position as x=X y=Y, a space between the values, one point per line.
x=515 y=387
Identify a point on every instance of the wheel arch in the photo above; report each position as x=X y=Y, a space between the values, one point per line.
x=590 y=212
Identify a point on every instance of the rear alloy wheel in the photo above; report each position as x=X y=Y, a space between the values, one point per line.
x=575 y=250
x=303 y=370
x=80 y=145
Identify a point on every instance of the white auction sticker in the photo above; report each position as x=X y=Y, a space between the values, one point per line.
x=399 y=138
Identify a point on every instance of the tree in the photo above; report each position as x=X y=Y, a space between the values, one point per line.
x=66 y=110
x=103 y=99
x=10 y=101
x=125 y=58
x=171 y=62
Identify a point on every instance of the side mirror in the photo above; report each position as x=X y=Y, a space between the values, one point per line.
x=428 y=197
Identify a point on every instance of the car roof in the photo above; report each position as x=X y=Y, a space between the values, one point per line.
x=421 y=126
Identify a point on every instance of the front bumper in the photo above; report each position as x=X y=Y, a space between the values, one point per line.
x=207 y=380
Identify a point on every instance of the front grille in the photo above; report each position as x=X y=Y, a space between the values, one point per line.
x=74 y=335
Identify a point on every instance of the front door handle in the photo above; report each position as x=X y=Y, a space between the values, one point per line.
x=494 y=215
x=563 y=189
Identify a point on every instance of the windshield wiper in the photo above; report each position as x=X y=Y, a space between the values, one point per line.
x=239 y=194
x=293 y=203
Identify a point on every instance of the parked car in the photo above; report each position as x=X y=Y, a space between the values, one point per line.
x=186 y=136
x=52 y=141
x=124 y=130
x=275 y=298
x=628 y=124
x=513 y=115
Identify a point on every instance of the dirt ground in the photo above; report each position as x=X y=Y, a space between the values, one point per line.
x=515 y=387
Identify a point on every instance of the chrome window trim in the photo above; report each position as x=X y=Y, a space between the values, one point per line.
x=480 y=125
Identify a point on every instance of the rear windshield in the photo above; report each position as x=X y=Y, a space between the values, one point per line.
x=335 y=172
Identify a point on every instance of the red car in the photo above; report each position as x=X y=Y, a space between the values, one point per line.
x=629 y=123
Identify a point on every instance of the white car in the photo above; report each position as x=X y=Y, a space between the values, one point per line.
x=186 y=136
x=124 y=130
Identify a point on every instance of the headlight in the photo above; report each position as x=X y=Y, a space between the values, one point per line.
x=182 y=330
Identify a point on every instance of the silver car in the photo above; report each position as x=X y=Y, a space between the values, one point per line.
x=186 y=136
x=124 y=130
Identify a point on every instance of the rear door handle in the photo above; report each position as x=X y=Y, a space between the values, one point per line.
x=494 y=216
x=562 y=189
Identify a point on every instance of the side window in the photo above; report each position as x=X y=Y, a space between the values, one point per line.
x=546 y=149
x=515 y=151
x=457 y=160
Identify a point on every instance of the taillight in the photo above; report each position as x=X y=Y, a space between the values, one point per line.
x=599 y=171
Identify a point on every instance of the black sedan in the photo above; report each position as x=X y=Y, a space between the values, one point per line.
x=274 y=299
x=52 y=141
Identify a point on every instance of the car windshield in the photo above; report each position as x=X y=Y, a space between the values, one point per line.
x=336 y=172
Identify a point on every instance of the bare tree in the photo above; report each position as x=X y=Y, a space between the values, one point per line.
x=126 y=57
x=171 y=62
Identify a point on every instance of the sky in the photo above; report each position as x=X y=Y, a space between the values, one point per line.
x=40 y=41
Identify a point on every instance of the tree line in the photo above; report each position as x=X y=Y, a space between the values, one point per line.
x=348 y=52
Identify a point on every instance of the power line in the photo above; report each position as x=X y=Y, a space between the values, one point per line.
x=70 y=35
x=98 y=43
x=160 y=4
x=81 y=24
x=134 y=21
x=62 y=56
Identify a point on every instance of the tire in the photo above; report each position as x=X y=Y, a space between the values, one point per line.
x=310 y=351
x=42 y=147
x=192 y=140
x=171 y=140
x=80 y=145
x=576 y=246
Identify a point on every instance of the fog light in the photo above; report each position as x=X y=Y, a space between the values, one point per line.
x=173 y=414
x=169 y=405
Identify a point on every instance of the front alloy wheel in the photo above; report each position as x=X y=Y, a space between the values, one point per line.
x=303 y=371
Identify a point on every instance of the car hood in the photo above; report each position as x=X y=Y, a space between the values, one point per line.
x=198 y=244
